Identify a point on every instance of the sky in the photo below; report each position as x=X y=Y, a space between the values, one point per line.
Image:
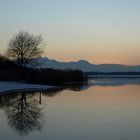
x=100 y=31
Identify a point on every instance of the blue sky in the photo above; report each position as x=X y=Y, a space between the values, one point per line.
x=101 y=31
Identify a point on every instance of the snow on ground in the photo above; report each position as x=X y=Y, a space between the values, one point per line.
x=20 y=86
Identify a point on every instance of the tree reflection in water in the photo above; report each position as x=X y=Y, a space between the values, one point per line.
x=24 y=113
x=24 y=110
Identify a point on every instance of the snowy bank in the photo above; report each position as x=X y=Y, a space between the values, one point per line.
x=20 y=86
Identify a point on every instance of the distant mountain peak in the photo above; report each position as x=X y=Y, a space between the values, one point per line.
x=83 y=61
x=85 y=66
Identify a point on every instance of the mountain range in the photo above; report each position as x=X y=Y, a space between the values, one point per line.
x=85 y=66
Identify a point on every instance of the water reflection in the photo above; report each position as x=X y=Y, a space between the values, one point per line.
x=24 y=111
x=113 y=81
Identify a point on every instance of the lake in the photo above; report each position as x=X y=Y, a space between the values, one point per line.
x=103 y=109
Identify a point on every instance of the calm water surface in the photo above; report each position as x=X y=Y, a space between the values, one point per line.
x=102 y=110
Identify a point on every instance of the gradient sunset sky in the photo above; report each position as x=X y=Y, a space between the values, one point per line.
x=100 y=31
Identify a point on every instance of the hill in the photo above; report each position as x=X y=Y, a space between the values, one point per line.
x=85 y=66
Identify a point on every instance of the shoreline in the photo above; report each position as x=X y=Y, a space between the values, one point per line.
x=12 y=86
x=7 y=87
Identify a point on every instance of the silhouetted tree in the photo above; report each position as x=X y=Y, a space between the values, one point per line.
x=23 y=47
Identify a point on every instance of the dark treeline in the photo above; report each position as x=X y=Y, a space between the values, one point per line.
x=9 y=71
x=52 y=76
x=5 y=63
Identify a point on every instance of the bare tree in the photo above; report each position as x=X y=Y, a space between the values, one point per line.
x=23 y=47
